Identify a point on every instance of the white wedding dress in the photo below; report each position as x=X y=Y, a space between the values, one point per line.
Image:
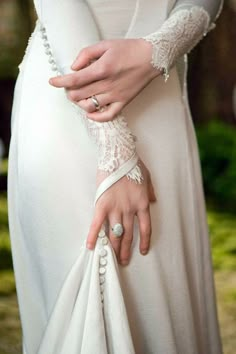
x=73 y=300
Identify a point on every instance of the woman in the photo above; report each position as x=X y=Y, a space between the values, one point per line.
x=71 y=142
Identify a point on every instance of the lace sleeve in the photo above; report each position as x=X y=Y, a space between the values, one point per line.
x=188 y=23
x=115 y=141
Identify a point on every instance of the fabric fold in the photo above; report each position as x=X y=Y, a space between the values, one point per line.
x=90 y=315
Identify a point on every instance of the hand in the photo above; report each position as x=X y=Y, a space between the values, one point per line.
x=119 y=204
x=113 y=70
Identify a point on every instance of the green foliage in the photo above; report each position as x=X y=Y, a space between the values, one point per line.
x=4 y=166
x=222 y=228
x=217 y=146
x=5 y=251
x=7 y=284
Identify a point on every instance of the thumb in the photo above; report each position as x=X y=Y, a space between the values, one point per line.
x=89 y=54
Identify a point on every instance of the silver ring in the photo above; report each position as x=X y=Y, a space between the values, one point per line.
x=118 y=230
x=95 y=102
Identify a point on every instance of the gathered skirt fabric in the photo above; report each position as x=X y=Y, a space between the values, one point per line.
x=161 y=303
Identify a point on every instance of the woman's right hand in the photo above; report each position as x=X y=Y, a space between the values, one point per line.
x=119 y=204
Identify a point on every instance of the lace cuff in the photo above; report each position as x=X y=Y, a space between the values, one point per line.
x=116 y=145
x=115 y=142
x=177 y=36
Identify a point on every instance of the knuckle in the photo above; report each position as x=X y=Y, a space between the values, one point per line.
x=108 y=68
x=102 y=206
x=102 y=71
x=84 y=52
x=74 y=80
x=128 y=210
x=144 y=205
x=127 y=241
x=72 y=95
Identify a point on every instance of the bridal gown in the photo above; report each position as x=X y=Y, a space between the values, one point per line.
x=73 y=300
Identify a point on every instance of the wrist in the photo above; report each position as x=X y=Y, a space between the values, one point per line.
x=147 y=47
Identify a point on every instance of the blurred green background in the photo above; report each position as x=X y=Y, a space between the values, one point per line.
x=212 y=94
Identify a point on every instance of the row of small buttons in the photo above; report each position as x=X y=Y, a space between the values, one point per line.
x=48 y=50
x=103 y=241
x=102 y=235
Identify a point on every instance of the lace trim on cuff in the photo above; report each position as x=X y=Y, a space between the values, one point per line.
x=178 y=35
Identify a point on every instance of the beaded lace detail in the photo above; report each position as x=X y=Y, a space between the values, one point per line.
x=115 y=142
x=178 y=35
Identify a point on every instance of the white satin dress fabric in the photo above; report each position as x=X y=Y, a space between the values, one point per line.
x=162 y=303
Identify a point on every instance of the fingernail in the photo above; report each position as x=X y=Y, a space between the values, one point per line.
x=144 y=252
x=124 y=261
x=89 y=246
x=73 y=65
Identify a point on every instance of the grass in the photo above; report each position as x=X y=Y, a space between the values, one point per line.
x=222 y=227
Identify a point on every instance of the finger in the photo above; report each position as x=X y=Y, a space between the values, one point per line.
x=90 y=107
x=79 y=78
x=108 y=114
x=115 y=241
x=95 y=227
x=86 y=92
x=127 y=238
x=95 y=88
x=144 y=220
x=86 y=55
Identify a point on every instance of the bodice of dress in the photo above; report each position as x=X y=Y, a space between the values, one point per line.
x=103 y=14
x=183 y=25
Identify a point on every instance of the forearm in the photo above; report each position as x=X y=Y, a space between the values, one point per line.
x=186 y=25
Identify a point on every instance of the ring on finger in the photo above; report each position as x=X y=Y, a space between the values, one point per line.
x=96 y=103
x=117 y=230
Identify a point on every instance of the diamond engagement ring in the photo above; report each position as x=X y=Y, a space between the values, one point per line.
x=117 y=230
x=95 y=102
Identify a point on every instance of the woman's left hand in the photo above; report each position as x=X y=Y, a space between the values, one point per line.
x=115 y=71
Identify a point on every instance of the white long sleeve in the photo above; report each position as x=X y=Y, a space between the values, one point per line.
x=70 y=27
x=186 y=25
x=75 y=23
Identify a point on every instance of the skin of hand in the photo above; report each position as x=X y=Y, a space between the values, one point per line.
x=114 y=70
x=120 y=204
